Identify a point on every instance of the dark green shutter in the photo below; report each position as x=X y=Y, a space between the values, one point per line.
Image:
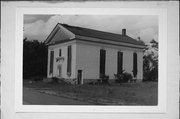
x=51 y=62
x=119 y=62
x=102 y=62
x=135 y=64
x=69 y=57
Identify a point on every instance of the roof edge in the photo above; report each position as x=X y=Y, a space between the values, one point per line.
x=46 y=41
x=138 y=42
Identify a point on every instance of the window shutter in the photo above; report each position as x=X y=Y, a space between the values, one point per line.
x=69 y=57
x=51 y=62
x=119 y=62
x=102 y=62
x=135 y=64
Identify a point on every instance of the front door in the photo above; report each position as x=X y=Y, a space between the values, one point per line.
x=59 y=70
x=79 y=77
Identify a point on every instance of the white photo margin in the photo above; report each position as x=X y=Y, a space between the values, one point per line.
x=162 y=77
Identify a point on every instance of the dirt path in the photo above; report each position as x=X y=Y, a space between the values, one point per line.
x=33 y=97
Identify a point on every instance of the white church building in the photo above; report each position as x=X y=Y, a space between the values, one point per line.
x=83 y=54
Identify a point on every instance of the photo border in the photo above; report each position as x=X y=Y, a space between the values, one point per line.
x=162 y=77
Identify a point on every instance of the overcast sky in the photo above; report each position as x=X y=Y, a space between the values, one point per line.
x=39 y=26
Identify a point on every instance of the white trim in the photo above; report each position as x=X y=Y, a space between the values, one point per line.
x=104 y=46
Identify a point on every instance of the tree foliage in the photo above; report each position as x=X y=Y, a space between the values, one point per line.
x=150 y=62
x=34 y=59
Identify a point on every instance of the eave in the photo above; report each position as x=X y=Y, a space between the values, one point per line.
x=100 y=42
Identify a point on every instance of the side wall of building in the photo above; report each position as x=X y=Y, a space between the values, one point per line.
x=88 y=59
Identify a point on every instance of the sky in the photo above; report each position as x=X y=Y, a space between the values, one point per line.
x=38 y=27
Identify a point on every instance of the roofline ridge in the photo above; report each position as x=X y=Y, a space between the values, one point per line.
x=91 y=29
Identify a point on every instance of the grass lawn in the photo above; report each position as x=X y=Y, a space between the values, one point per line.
x=145 y=93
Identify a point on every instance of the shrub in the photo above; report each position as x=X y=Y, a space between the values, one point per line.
x=127 y=77
x=150 y=62
x=124 y=77
x=62 y=81
x=55 y=80
x=150 y=75
x=104 y=79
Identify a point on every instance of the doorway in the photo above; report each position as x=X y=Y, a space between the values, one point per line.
x=59 y=71
x=79 y=77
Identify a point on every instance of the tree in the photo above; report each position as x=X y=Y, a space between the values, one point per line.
x=34 y=59
x=150 y=61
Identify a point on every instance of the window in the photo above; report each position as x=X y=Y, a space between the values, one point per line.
x=102 y=62
x=119 y=62
x=59 y=52
x=69 y=55
x=135 y=64
x=51 y=62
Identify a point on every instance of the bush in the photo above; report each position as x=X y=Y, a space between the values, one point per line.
x=55 y=80
x=150 y=62
x=127 y=77
x=150 y=75
x=63 y=81
x=124 y=77
x=104 y=79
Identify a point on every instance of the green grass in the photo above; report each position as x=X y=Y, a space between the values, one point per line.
x=144 y=93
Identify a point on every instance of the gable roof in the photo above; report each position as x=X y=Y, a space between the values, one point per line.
x=93 y=34
x=101 y=35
